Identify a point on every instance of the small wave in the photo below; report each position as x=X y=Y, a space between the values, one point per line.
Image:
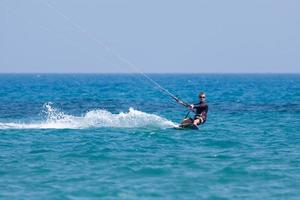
x=56 y=119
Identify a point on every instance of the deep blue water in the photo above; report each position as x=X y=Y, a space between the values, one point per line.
x=111 y=137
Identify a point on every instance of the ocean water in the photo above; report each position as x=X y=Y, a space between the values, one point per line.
x=110 y=136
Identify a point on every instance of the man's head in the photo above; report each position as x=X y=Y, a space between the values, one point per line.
x=202 y=96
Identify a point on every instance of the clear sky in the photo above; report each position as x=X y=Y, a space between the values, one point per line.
x=172 y=36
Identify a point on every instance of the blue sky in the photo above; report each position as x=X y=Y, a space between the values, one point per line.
x=167 y=36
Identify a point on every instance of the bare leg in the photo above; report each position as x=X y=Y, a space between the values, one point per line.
x=196 y=122
x=187 y=121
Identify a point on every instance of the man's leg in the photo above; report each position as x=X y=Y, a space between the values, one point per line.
x=198 y=121
x=187 y=121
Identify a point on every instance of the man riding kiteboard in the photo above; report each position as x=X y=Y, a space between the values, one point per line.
x=200 y=110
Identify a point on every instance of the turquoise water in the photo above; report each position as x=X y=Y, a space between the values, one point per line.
x=111 y=137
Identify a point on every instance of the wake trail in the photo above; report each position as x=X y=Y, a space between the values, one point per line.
x=97 y=118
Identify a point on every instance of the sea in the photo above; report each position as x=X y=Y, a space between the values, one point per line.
x=112 y=136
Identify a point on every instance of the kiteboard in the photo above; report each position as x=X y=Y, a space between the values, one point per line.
x=187 y=126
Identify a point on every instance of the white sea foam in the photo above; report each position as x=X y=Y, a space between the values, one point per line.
x=56 y=119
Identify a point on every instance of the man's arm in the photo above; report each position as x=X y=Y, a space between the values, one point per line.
x=196 y=105
x=204 y=113
x=193 y=106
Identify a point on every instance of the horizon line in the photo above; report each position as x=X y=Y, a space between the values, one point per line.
x=127 y=73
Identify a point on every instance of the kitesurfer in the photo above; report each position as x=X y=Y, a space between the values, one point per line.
x=200 y=109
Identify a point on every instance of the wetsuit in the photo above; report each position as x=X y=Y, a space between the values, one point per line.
x=201 y=110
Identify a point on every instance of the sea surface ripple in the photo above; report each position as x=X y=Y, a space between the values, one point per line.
x=108 y=136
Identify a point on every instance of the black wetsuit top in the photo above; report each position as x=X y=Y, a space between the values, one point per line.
x=201 y=110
